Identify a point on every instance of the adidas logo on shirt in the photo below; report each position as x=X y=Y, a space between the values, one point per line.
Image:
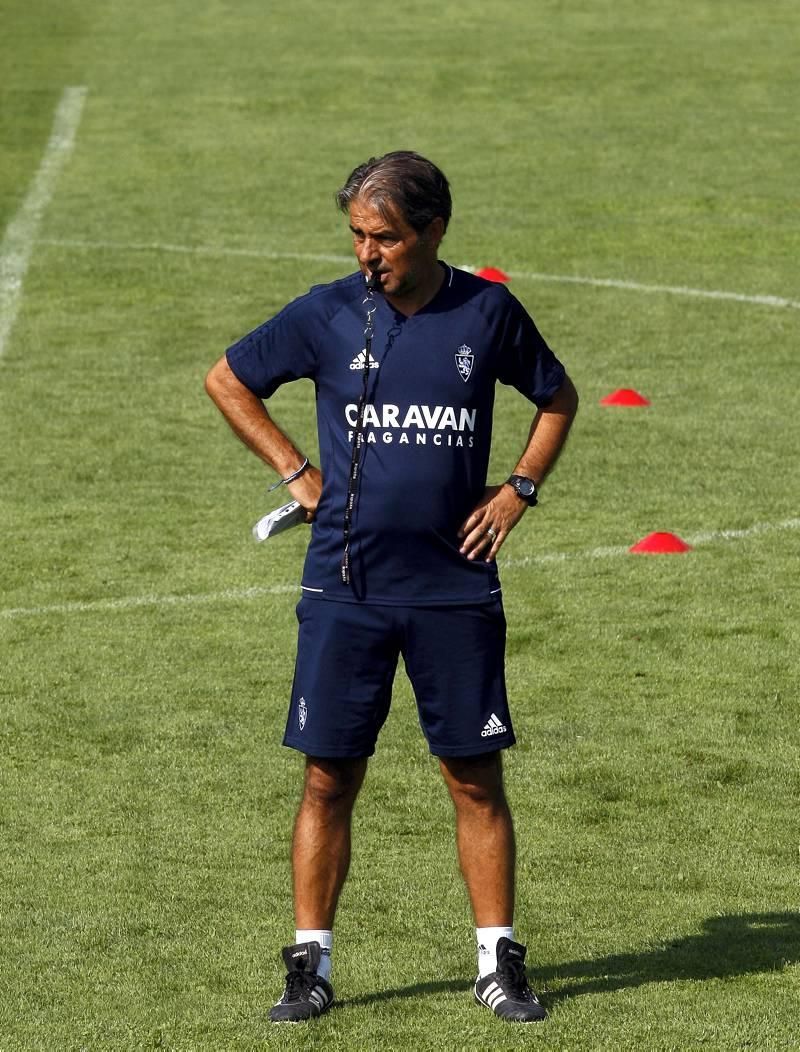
x=359 y=360
x=493 y=726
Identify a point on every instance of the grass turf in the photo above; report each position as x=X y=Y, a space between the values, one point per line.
x=145 y=801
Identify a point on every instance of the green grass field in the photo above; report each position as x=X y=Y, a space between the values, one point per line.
x=147 y=643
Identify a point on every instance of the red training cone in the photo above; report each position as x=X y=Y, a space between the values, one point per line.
x=493 y=274
x=660 y=544
x=624 y=396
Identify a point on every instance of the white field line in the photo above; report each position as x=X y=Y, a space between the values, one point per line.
x=694 y=540
x=194 y=250
x=518 y=275
x=670 y=290
x=134 y=601
x=258 y=592
x=20 y=235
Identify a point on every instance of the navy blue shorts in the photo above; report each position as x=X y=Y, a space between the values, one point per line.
x=347 y=655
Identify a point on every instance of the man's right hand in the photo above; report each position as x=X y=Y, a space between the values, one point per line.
x=307 y=491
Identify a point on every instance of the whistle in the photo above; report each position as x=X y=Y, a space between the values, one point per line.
x=374 y=281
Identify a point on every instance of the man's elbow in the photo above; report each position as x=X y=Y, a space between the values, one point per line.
x=216 y=378
x=566 y=399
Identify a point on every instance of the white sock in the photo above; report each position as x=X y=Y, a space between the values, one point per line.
x=325 y=940
x=487 y=947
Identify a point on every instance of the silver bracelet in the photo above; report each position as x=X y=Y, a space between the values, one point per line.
x=289 y=478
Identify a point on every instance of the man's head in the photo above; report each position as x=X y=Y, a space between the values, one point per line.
x=399 y=207
x=402 y=183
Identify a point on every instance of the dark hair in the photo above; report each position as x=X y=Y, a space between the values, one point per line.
x=403 y=179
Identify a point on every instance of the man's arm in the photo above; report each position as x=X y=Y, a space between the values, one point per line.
x=500 y=507
x=249 y=419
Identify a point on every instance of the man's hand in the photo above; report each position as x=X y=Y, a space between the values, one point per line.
x=500 y=510
x=307 y=490
x=490 y=523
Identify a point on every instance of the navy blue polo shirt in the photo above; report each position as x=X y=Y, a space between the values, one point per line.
x=428 y=427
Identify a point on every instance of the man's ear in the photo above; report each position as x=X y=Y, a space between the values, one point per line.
x=433 y=232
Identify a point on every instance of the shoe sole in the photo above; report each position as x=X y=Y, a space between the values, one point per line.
x=505 y=1018
x=307 y=1019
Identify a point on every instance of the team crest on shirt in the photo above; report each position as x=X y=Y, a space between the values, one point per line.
x=302 y=713
x=464 y=360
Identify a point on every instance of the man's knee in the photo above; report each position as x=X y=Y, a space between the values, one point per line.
x=332 y=784
x=475 y=781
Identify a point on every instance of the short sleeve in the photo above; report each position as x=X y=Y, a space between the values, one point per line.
x=526 y=362
x=280 y=350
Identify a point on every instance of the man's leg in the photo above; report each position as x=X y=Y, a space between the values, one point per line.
x=321 y=844
x=320 y=860
x=346 y=659
x=484 y=835
x=486 y=851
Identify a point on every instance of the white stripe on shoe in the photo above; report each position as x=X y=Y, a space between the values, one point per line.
x=320 y=996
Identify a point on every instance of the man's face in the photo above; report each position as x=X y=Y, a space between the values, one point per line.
x=404 y=259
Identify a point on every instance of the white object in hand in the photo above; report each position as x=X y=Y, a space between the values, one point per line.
x=282 y=518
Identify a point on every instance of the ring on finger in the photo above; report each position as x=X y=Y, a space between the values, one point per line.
x=492 y=533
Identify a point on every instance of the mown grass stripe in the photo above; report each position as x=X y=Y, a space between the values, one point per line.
x=517 y=275
x=257 y=592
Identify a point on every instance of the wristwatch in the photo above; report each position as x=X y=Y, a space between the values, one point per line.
x=524 y=488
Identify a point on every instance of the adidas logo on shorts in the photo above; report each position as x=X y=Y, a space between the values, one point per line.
x=493 y=726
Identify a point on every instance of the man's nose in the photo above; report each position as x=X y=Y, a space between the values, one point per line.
x=368 y=251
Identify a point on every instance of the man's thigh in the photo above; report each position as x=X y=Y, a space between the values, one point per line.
x=455 y=659
x=346 y=661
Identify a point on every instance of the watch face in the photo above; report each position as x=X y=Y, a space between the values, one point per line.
x=525 y=488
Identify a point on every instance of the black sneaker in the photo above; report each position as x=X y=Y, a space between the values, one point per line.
x=506 y=991
x=307 y=994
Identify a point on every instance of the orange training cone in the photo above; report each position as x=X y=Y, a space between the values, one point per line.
x=493 y=274
x=624 y=396
x=660 y=544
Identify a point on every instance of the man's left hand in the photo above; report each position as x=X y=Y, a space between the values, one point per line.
x=490 y=523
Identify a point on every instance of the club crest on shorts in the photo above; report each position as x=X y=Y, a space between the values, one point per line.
x=302 y=713
x=464 y=360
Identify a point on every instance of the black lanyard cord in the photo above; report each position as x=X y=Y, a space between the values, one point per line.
x=358 y=434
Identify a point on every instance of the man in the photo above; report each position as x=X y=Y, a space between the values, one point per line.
x=405 y=355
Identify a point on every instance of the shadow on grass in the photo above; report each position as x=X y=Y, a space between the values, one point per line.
x=730 y=945
x=442 y=986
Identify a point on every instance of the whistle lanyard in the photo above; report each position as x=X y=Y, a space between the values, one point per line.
x=358 y=435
